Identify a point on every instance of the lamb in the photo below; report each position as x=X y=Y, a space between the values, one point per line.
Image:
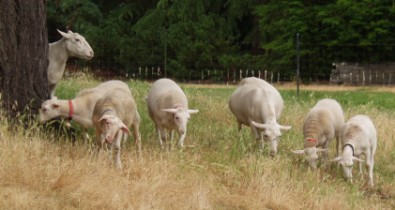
x=113 y=114
x=168 y=108
x=358 y=137
x=321 y=125
x=257 y=104
x=79 y=109
x=71 y=45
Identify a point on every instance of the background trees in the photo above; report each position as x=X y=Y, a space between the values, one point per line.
x=187 y=36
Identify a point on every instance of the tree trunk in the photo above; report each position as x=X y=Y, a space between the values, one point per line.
x=23 y=56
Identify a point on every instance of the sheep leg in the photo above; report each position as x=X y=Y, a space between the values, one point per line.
x=325 y=154
x=137 y=137
x=99 y=140
x=258 y=137
x=161 y=136
x=181 y=140
x=372 y=152
x=117 y=149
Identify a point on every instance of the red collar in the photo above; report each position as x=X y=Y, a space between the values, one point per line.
x=71 y=112
x=311 y=140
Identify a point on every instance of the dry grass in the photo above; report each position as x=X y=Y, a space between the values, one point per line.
x=219 y=169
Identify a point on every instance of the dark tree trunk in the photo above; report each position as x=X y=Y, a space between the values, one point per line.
x=23 y=55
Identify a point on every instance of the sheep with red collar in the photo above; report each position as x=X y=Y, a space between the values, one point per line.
x=168 y=108
x=358 y=137
x=113 y=114
x=257 y=104
x=71 y=45
x=79 y=109
x=323 y=123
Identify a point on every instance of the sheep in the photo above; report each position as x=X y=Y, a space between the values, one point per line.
x=323 y=122
x=79 y=109
x=168 y=108
x=358 y=137
x=71 y=45
x=113 y=114
x=257 y=104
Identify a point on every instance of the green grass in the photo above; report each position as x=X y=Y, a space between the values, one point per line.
x=219 y=165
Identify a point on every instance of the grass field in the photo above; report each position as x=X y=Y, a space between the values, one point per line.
x=219 y=168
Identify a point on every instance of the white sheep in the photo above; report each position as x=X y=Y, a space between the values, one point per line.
x=358 y=137
x=323 y=123
x=113 y=114
x=79 y=109
x=168 y=108
x=257 y=104
x=71 y=45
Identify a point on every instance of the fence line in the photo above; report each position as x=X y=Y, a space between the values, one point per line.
x=368 y=74
x=227 y=76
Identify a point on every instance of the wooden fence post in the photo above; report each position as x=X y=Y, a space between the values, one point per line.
x=266 y=75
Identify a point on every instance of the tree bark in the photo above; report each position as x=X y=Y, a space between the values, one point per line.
x=23 y=56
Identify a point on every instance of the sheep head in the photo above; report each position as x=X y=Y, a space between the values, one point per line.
x=347 y=162
x=77 y=46
x=311 y=155
x=180 y=117
x=271 y=134
x=49 y=110
x=111 y=126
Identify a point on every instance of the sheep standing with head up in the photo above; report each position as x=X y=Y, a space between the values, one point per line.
x=168 y=108
x=71 y=45
x=112 y=116
x=358 y=137
x=321 y=125
x=257 y=104
x=79 y=109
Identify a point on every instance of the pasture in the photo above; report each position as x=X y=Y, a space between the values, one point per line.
x=219 y=168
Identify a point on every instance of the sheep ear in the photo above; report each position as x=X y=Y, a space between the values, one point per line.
x=125 y=129
x=357 y=159
x=55 y=106
x=69 y=32
x=321 y=150
x=65 y=35
x=299 y=152
x=104 y=117
x=193 y=111
x=170 y=110
x=258 y=125
x=285 y=127
x=335 y=159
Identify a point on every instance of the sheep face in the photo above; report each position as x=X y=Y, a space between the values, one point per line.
x=49 y=110
x=347 y=162
x=77 y=46
x=347 y=166
x=271 y=134
x=180 y=118
x=111 y=126
x=311 y=157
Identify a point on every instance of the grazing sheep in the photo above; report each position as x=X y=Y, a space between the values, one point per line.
x=80 y=109
x=112 y=116
x=321 y=125
x=358 y=137
x=257 y=104
x=168 y=108
x=71 y=45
